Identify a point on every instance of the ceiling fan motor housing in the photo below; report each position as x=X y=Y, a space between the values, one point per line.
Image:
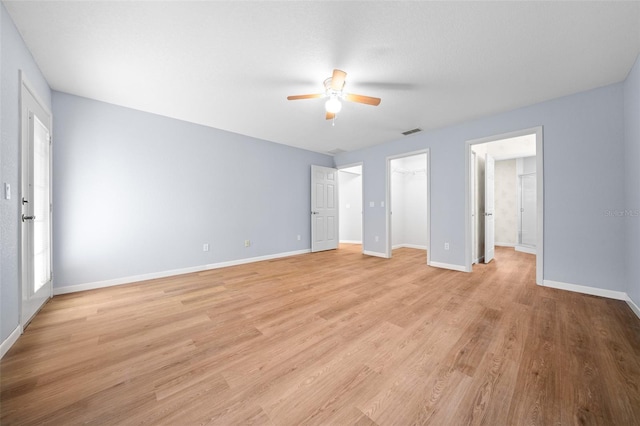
x=330 y=91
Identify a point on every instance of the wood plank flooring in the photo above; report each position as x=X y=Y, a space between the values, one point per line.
x=331 y=338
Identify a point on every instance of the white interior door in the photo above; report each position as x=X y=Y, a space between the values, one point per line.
x=474 y=201
x=36 y=206
x=489 y=208
x=528 y=214
x=324 y=208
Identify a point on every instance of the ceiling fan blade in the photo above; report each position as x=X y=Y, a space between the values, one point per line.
x=337 y=80
x=330 y=116
x=296 y=97
x=362 y=99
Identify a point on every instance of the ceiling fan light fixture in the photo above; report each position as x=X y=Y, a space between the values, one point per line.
x=334 y=93
x=333 y=105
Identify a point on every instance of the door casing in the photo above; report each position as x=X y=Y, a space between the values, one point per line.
x=538 y=131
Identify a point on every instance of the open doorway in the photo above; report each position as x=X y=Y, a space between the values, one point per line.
x=504 y=195
x=350 y=204
x=408 y=202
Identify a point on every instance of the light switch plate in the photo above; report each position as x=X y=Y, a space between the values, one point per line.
x=7 y=191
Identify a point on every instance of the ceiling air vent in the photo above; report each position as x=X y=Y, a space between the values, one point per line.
x=412 y=131
x=336 y=151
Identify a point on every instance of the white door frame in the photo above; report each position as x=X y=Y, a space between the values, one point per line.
x=538 y=131
x=362 y=210
x=26 y=86
x=388 y=200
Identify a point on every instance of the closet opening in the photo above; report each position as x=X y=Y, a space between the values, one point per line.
x=408 y=203
x=350 y=221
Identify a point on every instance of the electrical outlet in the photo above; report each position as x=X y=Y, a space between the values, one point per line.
x=205 y=247
x=446 y=246
x=247 y=243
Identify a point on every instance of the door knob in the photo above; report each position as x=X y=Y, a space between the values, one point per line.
x=27 y=217
x=315 y=212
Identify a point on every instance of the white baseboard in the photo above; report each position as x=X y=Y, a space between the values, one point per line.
x=375 y=253
x=170 y=273
x=412 y=246
x=504 y=244
x=350 y=242
x=526 y=249
x=611 y=294
x=9 y=341
x=459 y=268
x=635 y=308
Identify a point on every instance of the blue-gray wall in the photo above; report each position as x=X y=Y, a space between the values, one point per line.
x=632 y=179
x=583 y=177
x=14 y=56
x=137 y=193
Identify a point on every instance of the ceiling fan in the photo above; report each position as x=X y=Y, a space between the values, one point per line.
x=333 y=90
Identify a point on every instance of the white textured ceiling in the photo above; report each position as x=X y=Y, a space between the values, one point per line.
x=504 y=149
x=231 y=65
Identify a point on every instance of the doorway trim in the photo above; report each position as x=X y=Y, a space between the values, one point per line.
x=389 y=246
x=538 y=132
x=347 y=166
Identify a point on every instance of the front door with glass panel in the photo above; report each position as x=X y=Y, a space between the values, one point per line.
x=35 y=203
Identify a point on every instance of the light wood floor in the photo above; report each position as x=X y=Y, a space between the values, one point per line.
x=329 y=338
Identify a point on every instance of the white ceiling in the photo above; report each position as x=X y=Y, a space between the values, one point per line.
x=504 y=149
x=231 y=65
x=356 y=170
